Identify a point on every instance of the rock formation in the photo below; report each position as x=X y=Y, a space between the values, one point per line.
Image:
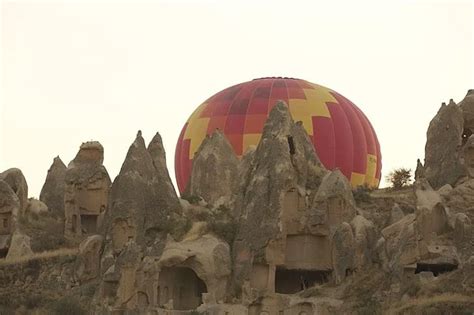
x=87 y=186
x=52 y=193
x=468 y=156
x=36 y=206
x=290 y=208
x=467 y=106
x=214 y=172
x=443 y=145
x=167 y=196
x=365 y=238
x=144 y=209
x=207 y=257
x=343 y=252
x=20 y=246
x=88 y=264
x=274 y=233
x=448 y=133
x=14 y=177
x=333 y=203
x=9 y=210
x=396 y=214
x=140 y=210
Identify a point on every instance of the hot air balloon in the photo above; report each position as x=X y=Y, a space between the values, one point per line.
x=340 y=132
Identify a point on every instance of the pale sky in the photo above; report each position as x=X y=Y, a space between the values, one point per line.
x=75 y=71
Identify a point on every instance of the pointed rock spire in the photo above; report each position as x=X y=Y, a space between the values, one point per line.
x=215 y=168
x=467 y=106
x=282 y=165
x=141 y=204
x=166 y=193
x=86 y=192
x=52 y=193
x=442 y=150
x=91 y=152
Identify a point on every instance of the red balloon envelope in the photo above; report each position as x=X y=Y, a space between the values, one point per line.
x=341 y=134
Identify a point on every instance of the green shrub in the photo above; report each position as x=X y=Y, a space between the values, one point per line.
x=88 y=289
x=362 y=193
x=224 y=229
x=192 y=199
x=179 y=227
x=6 y=310
x=369 y=307
x=47 y=233
x=399 y=178
x=202 y=215
x=67 y=306
x=33 y=301
x=222 y=224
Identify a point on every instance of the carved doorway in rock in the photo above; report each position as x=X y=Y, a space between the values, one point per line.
x=89 y=223
x=181 y=285
x=290 y=281
x=436 y=269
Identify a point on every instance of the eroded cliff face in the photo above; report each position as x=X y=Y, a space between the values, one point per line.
x=142 y=202
x=52 y=193
x=447 y=135
x=279 y=167
x=17 y=182
x=273 y=233
x=215 y=171
x=9 y=209
x=86 y=194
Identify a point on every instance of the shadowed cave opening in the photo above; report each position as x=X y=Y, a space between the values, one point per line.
x=465 y=135
x=181 y=285
x=89 y=223
x=436 y=269
x=3 y=252
x=291 y=145
x=290 y=281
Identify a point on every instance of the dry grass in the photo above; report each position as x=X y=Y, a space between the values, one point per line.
x=390 y=192
x=424 y=302
x=39 y=256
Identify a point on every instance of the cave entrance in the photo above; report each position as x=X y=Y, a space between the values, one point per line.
x=89 y=223
x=290 y=281
x=291 y=145
x=183 y=286
x=436 y=269
x=465 y=135
x=3 y=252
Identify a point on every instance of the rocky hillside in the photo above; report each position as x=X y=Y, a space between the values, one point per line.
x=274 y=233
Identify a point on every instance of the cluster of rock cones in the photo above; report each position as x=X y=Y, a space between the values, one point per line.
x=272 y=233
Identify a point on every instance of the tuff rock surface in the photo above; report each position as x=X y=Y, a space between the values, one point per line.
x=36 y=206
x=167 y=196
x=20 y=246
x=442 y=152
x=9 y=210
x=87 y=186
x=215 y=169
x=277 y=234
x=52 y=193
x=142 y=206
x=467 y=106
x=283 y=161
x=15 y=178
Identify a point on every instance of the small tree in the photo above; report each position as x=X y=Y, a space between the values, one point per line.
x=399 y=178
